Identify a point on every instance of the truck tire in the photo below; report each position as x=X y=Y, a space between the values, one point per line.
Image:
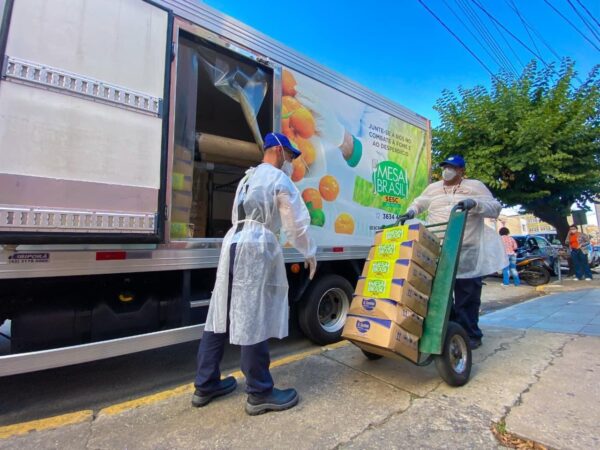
x=454 y=364
x=323 y=310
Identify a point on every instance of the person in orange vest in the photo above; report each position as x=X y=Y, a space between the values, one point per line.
x=578 y=244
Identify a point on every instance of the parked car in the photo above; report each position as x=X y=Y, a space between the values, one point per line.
x=531 y=245
x=594 y=256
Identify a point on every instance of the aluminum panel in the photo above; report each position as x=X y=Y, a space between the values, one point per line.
x=59 y=357
x=118 y=41
x=47 y=261
x=56 y=136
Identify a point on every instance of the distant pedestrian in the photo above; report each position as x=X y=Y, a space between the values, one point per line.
x=510 y=248
x=579 y=244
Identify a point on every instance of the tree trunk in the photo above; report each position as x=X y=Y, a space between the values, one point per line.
x=555 y=219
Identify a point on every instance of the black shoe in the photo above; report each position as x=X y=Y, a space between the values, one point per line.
x=226 y=385
x=475 y=343
x=277 y=400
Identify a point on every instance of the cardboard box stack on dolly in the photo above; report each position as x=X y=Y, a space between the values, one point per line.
x=403 y=298
x=391 y=296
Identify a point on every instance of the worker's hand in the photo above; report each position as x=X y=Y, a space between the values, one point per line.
x=328 y=126
x=410 y=214
x=467 y=204
x=311 y=265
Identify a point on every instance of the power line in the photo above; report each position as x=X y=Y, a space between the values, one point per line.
x=457 y=38
x=516 y=10
x=583 y=19
x=540 y=37
x=571 y=23
x=471 y=33
x=508 y=44
x=589 y=13
x=509 y=32
x=474 y=19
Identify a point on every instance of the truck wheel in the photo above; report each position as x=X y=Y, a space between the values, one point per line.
x=454 y=364
x=323 y=310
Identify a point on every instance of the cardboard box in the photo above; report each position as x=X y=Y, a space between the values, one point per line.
x=397 y=290
x=182 y=199
x=182 y=230
x=412 y=250
x=390 y=354
x=382 y=334
x=387 y=309
x=183 y=166
x=181 y=183
x=183 y=153
x=199 y=213
x=401 y=269
x=180 y=214
x=413 y=232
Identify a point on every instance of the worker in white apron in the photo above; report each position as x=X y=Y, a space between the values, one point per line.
x=249 y=303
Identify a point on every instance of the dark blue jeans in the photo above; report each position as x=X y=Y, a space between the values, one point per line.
x=467 y=300
x=255 y=358
x=580 y=263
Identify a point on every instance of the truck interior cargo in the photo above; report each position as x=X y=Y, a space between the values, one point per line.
x=223 y=105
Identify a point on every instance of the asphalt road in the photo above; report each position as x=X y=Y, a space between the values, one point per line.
x=102 y=383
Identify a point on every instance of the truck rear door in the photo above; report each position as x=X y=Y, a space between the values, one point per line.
x=82 y=129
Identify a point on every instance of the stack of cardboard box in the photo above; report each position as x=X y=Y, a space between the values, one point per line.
x=391 y=297
x=181 y=203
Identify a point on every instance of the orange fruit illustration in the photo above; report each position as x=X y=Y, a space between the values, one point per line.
x=299 y=169
x=289 y=104
x=288 y=83
x=329 y=188
x=286 y=129
x=312 y=198
x=344 y=224
x=308 y=150
x=303 y=123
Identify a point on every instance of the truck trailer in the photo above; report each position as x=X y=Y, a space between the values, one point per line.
x=125 y=126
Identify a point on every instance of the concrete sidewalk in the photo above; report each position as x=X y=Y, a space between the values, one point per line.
x=543 y=385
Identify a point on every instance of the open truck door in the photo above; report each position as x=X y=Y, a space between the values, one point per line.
x=83 y=102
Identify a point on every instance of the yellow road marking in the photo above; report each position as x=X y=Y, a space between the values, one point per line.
x=46 y=424
x=146 y=400
x=82 y=416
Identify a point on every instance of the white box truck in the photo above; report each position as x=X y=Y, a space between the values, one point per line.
x=125 y=126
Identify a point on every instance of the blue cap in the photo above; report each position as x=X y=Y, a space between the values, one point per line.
x=275 y=139
x=454 y=160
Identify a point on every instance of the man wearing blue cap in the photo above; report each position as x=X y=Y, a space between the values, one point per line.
x=249 y=302
x=482 y=252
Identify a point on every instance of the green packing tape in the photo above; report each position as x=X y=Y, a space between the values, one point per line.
x=356 y=152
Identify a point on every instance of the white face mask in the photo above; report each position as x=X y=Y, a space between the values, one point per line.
x=287 y=168
x=448 y=173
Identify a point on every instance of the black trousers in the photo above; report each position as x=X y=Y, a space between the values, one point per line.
x=467 y=300
x=255 y=359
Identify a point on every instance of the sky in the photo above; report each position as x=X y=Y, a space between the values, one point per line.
x=399 y=50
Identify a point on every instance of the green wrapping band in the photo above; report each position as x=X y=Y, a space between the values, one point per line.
x=356 y=152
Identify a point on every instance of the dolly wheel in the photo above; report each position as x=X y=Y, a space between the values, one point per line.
x=371 y=356
x=454 y=364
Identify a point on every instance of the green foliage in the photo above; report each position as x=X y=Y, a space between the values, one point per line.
x=533 y=140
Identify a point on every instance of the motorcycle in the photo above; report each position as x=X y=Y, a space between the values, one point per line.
x=533 y=270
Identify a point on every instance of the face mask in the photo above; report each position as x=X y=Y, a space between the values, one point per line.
x=448 y=174
x=287 y=168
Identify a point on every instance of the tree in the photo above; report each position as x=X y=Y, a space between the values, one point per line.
x=534 y=140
